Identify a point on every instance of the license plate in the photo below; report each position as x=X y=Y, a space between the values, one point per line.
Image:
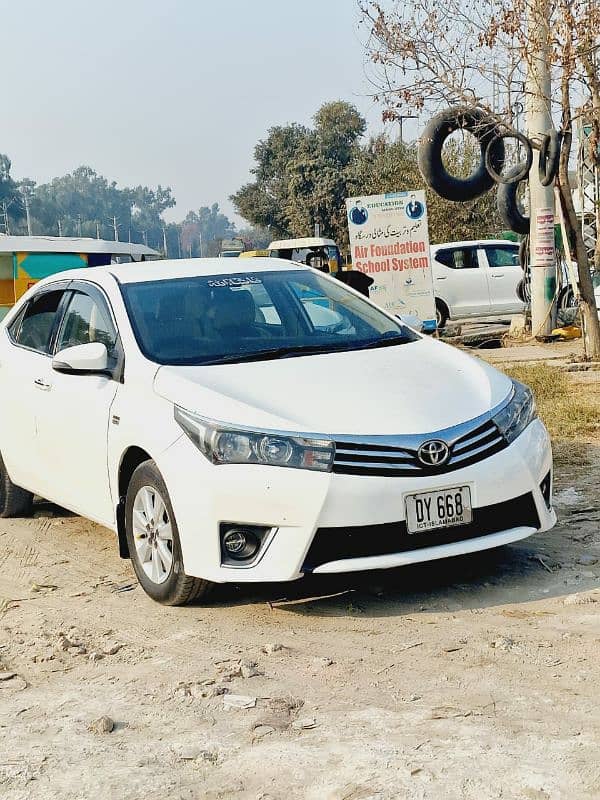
x=441 y=509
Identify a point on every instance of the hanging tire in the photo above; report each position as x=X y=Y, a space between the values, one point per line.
x=524 y=252
x=153 y=541
x=524 y=290
x=549 y=157
x=14 y=501
x=508 y=205
x=484 y=128
x=518 y=173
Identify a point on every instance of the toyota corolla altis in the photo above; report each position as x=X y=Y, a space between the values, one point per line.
x=259 y=424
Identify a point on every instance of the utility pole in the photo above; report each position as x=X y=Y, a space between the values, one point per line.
x=541 y=198
x=27 y=212
x=59 y=228
x=165 y=248
x=78 y=224
x=97 y=229
x=115 y=228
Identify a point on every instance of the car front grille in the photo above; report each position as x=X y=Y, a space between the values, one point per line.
x=335 y=544
x=467 y=446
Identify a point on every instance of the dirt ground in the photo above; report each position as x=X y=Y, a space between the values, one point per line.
x=472 y=678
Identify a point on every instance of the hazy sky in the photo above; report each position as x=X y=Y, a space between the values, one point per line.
x=174 y=92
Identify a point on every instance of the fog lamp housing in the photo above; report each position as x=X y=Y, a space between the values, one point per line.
x=243 y=545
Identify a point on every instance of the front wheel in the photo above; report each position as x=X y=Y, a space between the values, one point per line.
x=153 y=541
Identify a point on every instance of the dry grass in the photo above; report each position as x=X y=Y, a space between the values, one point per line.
x=569 y=408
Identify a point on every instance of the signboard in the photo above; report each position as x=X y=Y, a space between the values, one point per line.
x=389 y=240
x=543 y=251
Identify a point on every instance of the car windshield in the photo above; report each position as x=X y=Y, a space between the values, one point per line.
x=218 y=319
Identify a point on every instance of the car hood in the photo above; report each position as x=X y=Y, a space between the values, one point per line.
x=421 y=387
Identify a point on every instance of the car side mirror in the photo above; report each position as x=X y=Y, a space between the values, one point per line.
x=414 y=322
x=83 y=359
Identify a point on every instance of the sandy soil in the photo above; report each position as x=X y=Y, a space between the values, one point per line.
x=473 y=678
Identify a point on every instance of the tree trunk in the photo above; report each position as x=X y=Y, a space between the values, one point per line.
x=589 y=312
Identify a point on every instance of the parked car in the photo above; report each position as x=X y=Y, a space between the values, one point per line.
x=476 y=279
x=205 y=413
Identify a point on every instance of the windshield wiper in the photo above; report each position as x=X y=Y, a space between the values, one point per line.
x=308 y=349
x=272 y=353
x=385 y=341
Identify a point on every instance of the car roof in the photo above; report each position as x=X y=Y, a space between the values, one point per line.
x=141 y=271
x=474 y=242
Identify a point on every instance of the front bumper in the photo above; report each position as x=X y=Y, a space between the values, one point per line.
x=303 y=506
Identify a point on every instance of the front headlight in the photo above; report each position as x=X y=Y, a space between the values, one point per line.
x=224 y=445
x=516 y=416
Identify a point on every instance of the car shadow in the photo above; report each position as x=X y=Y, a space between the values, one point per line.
x=536 y=569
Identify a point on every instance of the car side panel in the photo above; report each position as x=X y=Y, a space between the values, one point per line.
x=465 y=291
x=19 y=368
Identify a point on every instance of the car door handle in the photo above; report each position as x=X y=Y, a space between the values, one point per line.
x=441 y=277
x=42 y=384
x=497 y=275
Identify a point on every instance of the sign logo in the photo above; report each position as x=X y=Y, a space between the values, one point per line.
x=414 y=209
x=434 y=453
x=358 y=214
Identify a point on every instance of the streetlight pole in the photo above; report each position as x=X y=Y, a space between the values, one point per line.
x=541 y=198
x=401 y=118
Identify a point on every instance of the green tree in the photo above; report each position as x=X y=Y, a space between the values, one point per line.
x=264 y=201
x=203 y=231
x=301 y=174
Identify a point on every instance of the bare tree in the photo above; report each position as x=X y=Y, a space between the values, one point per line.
x=477 y=53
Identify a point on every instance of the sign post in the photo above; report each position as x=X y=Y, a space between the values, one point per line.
x=389 y=240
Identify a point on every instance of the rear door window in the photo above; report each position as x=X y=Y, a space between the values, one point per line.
x=34 y=329
x=499 y=256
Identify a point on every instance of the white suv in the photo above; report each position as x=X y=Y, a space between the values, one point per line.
x=476 y=279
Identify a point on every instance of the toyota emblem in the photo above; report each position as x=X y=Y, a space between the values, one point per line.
x=434 y=453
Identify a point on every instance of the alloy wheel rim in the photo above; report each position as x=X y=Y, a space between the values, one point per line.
x=153 y=534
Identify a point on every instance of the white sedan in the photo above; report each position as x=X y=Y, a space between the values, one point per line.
x=203 y=411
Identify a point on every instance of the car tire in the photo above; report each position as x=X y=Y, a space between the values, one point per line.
x=154 y=545
x=508 y=205
x=441 y=313
x=14 y=501
x=518 y=173
x=431 y=143
x=549 y=158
